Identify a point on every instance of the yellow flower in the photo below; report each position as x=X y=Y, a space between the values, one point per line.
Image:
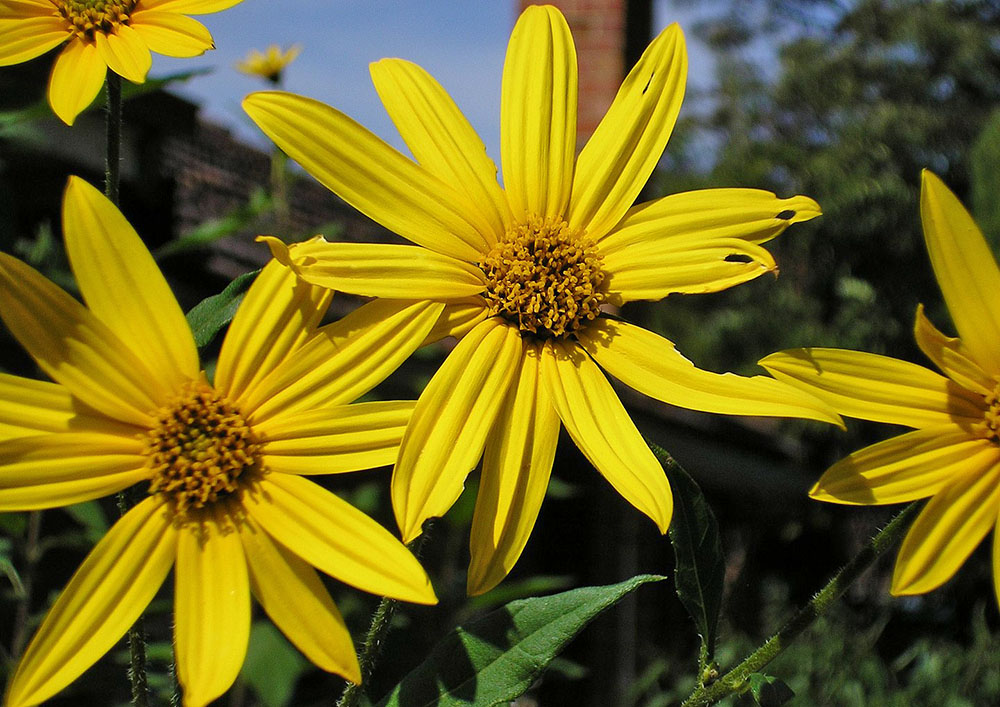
x=526 y=271
x=952 y=456
x=100 y=35
x=270 y=63
x=227 y=506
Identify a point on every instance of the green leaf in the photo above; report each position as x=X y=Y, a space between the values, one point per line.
x=7 y=568
x=215 y=229
x=211 y=314
x=497 y=657
x=700 y=570
x=769 y=691
x=272 y=665
x=91 y=516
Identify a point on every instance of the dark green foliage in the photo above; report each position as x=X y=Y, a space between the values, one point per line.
x=769 y=691
x=211 y=314
x=497 y=657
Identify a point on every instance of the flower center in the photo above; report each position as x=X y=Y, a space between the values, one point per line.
x=199 y=449
x=991 y=418
x=88 y=17
x=544 y=277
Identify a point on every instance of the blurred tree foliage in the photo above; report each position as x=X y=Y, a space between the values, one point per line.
x=866 y=94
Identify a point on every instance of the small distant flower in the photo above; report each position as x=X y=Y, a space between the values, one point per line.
x=269 y=64
x=526 y=270
x=100 y=35
x=227 y=507
x=953 y=454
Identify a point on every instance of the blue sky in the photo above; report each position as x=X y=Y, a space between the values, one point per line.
x=460 y=42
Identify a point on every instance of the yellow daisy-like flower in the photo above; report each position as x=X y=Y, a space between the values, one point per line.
x=526 y=271
x=100 y=35
x=953 y=454
x=227 y=506
x=270 y=63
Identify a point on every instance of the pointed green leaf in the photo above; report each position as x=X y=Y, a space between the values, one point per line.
x=497 y=657
x=700 y=570
x=211 y=314
x=769 y=691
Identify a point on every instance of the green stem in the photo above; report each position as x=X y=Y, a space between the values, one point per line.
x=371 y=649
x=112 y=180
x=32 y=554
x=112 y=162
x=735 y=681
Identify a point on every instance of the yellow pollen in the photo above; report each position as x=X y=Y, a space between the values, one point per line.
x=89 y=17
x=199 y=449
x=990 y=428
x=545 y=278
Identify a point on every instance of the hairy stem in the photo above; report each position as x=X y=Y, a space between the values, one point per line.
x=735 y=681
x=371 y=649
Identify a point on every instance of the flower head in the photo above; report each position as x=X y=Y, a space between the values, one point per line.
x=226 y=505
x=100 y=35
x=953 y=454
x=270 y=63
x=526 y=269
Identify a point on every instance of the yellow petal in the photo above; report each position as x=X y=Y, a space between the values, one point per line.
x=123 y=286
x=46 y=471
x=336 y=538
x=516 y=467
x=911 y=466
x=965 y=270
x=442 y=140
x=294 y=597
x=599 y=425
x=333 y=440
x=388 y=270
x=948 y=529
x=188 y=7
x=77 y=77
x=343 y=360
x=30 y=407
x=75 y=348
x=125 y=53
x=699 y=217
x=211 y=606
x=171 y=34
x=878 y=388
x=651 y=271
x=25 y=38
x=458 y=319
x=109 y=591
x=650 y=364
x=277 y=315
x=450 y=423
x=366 y=173
x=23 y=9
x=621 y=154
x=538 y=114
x=950 y=356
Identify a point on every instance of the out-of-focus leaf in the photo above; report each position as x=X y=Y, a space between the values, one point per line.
x=16 y=124
x=236 y=220
x=700 y=569
x=211 y=314
x=769 y=691
x=509 y=591
x=8 y=569
x=91 y=516
x=496 y=658
x=272 y=665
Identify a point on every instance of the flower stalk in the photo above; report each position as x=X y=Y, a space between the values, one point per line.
x=736 y=681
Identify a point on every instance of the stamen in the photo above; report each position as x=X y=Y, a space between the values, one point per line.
x=200 y=450
x=990 y=428
x=88 y=17
x=545 y=278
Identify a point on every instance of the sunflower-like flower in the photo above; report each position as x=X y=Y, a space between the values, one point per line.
x=270 y=63
x=100 y=35
x=526 y=272
x=227 y=506
x=953 y=454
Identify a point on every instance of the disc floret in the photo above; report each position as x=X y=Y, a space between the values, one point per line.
x=88 y=17
x=544 y=277
x=200 y=450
